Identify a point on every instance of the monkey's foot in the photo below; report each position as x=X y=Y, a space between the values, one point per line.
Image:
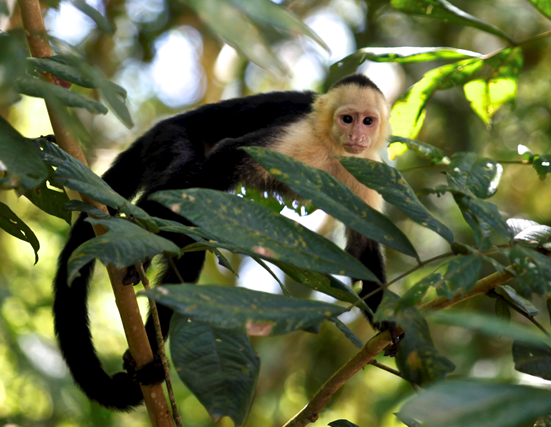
x=152 y=373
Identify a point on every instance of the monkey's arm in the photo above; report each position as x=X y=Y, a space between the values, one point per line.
x=370 y=254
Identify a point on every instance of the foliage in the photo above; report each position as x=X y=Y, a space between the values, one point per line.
x=210 y=343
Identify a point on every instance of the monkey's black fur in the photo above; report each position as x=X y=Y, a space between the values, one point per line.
x=195 y=149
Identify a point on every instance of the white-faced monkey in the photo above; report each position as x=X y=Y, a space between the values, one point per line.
x=200 y=148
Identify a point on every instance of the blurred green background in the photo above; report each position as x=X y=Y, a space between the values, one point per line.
x=169 y=61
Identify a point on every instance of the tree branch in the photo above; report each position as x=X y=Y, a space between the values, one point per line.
x=125 y=297
x=310 y=412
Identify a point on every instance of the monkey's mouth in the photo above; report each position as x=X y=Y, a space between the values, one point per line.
x=354 y=148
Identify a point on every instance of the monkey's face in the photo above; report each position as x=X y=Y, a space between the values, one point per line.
x=356 y=130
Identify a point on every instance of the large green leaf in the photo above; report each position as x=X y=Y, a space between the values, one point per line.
x=124 y=245
x=499 y=88
x=257 y=231
x=417 y=358
x=461 y=276
x=532 y=360
x=243 y=310
x=240 y=24
x=400 y=55
x=73 y=174
x=219 y=367
x=480 y=175
x=395 y=190
x=51 y=92
x=102 y=23
x=533 y=271
x=489 y=325
x=447 y=12
x=422 y=149
x=73 y=68
x=324 y=283
x=408 y=113
x=21 y=161
x=544 y=6
x=328 y=193
x=478 y=404
x=15 y=226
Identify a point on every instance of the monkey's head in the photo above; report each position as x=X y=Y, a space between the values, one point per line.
x=356 y=113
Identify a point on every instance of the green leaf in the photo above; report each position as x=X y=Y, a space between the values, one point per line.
x=456 y=403
x=257 y=231
x=15 y=226
x=334 y=197
x=51 y=198
x=447 y=12
x=533 y=270
x=415 y=294
x=347 y=332
x=488 y=325
x=273 y=15
x=480 y=176
x=489 y=94
x=12 y=57
x=544 y=6
x=520 y=302
x=102 y=23
x=243 y=310
x=320 y=282
x=542 y=164
x=220 y=368
x=342 y=423
x=57 y=94
x=422 y=149
x=395 y=190
x=419 y=362
x=417 y=358
x=77 y=205
x=532 y=360
x=408 y=113
x=461 y=275
x=481 y=210
x=74 y=68
x=124 y=245
x=73 y=174
x=399 y=55
x=229 y=23
x=502 y=310
x=24 y=168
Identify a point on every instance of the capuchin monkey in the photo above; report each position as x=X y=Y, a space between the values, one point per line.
x=200 y=148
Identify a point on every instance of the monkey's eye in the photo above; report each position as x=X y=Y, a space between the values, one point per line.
x=347 y=119
x=368 y=121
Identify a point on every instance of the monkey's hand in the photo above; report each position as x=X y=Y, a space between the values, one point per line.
x=392 y=349
x=132 y=276
x=152 y=373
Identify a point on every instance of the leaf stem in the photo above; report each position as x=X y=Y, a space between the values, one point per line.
x=521 y=312
x=173 y=265
x=161 y=346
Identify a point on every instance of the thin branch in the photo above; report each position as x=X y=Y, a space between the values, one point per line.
x=125 y=298
x=375 y=345
x=386 y=368
x=161 y=346
x=521 y=312
x=173 y=266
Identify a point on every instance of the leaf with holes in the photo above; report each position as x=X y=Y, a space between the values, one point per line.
x=220 y=368
x=257 y=231
x=242 y=310
x=395 y=190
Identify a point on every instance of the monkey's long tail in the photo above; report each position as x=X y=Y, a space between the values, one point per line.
x=72 y=328
x=71 y=321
